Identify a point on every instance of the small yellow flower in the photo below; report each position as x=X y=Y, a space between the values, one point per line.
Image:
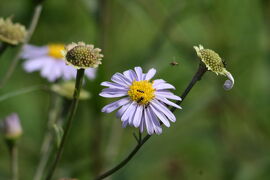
x=214 y=63
x=11 y=33
x=66 y=90
x=82 y=55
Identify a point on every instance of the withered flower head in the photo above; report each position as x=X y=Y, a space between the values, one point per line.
x=82 y=55
x=214 y=63
x=11 y=33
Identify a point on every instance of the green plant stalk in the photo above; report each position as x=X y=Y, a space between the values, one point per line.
x=46 y=148
x=198 y=75
x=71 y=114
x=3 y=47
x=13 y=152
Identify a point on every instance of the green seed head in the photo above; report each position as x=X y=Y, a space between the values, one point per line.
x=83 y=56
x=211 y=59
x=214 y=63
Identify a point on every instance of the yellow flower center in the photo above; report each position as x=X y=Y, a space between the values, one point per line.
x=55 y=50
x=141 y=91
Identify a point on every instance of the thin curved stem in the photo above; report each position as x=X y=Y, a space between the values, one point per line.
x=198 y=75
x=16 y=58
x=71 y=114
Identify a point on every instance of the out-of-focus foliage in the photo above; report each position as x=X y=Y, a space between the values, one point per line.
x=218 y=134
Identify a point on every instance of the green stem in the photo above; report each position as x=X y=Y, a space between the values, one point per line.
x=16 y=58
x=3 y=47
x=13 y=160
x=71 y=114
x=198 y=75
x=46 y=147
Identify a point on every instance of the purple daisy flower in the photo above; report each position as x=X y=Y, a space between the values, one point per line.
x=50 y=62
x=144 y=102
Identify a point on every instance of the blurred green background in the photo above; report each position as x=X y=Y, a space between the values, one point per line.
x=219 y=135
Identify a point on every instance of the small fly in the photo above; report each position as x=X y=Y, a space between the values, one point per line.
x=174 y=63
x=140 y=100
x=140 y=91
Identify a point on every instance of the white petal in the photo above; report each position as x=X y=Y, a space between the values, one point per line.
x=120 y=79
x=155 y=121
x=166 y=101
x=130 y=75
x=161 y=86
x=158 y=81
x=90 y=73
x=159 y=106
x=142 y=125
x=132 y=114
x=148 y=122
x=139 y=73
x=49 y=69
x=121 y=111
x=34 y=64
x=167 y=94
x=114 y=90
x=113 y=85
x=150 y=74
x=160 y=115
x=228 y=85
x=113 y=106
x=110 y=93
x=130 y=109
x=125 y=123
x=68 y=72
x=30 y=52
x=138 y=116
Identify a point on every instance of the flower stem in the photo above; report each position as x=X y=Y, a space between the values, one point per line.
x=3 y=47
x=13 y=151
x=198 y=75
x=71 y=114
x=16 y=58
x=46 y=148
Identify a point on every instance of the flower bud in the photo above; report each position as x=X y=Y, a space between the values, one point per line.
x=11 y=33
x=82 y=56
x=11 y=127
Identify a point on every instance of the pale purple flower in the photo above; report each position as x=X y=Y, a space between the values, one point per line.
x=144 y=103
x=50 y=62
x=11 y=126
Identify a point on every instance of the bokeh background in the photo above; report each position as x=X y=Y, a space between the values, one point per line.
x=219 y=134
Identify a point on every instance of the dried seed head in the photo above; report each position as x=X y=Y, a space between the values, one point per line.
x=214 y=63
x=82 y=56
x=11 y=33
